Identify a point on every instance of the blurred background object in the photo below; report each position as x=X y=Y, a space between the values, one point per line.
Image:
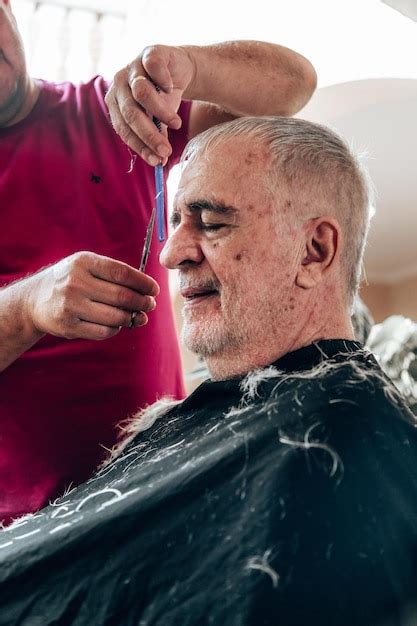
x=406 y=7
x=362 y=320
x=73 y=39
x=394 y=342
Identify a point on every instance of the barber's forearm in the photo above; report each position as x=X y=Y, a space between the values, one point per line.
x=17 y=333
x=251 y=77
x=224 y=81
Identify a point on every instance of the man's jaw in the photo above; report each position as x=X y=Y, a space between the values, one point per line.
x=21 y=97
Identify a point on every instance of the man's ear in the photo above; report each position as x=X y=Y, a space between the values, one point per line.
x=321 y=247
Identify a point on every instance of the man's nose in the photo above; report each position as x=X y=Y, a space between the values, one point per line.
x=182 y=247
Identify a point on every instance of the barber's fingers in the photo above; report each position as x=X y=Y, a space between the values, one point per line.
x=84 y=329
x=89 y=287
x=107 y=291
x=96 y=314
x=120 y=297
x=155 y=61
x=136 y=129
x=82 y=318
x=154 y=102
x=93 y=320
x=132 y=104
x=117 y=272
x=158 y=78
x=172 y=68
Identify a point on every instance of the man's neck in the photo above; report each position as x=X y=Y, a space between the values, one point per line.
x=30 y=97
x=227 y=366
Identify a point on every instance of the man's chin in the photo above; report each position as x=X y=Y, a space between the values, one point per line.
x=202 y=341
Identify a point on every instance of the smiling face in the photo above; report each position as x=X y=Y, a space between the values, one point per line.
x=14 y=82
x=237 y=254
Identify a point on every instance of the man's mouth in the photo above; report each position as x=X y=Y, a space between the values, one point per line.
x=195 y=295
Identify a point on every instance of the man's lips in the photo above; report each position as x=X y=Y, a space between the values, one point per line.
x=191 y=292
x=196 y=294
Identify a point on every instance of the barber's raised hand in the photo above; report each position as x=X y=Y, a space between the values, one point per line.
x=133 y=100
x=88 y=296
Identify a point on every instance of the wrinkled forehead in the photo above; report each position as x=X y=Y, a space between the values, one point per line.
x=241 y=148
x=234 y=165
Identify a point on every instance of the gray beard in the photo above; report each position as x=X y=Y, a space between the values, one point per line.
x=210 y=339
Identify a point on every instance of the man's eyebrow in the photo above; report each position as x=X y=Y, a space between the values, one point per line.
x=214 y=207
x=197 y=206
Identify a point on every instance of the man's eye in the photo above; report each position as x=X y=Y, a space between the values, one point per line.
x=211 y=228
x=174 y=222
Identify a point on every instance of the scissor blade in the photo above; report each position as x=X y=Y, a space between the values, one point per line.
x=147 y=244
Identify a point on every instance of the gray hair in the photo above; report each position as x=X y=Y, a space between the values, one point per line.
x=320 y=172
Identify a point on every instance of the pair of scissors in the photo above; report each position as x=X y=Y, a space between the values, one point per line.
x=144 y=257
x=159 y=212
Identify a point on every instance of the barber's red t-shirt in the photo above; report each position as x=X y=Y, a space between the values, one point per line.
x=65 y=187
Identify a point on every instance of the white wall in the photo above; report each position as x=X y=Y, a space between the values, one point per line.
x=345 y=39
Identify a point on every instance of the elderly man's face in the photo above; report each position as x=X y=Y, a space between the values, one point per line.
x=12 y=65
x=236 y=252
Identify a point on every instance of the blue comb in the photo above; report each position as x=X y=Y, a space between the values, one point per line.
x=159 y=188
x=160 y=201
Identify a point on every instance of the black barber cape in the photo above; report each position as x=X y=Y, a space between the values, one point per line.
x=287 y=498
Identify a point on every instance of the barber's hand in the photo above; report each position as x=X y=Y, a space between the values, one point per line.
x=133 y=100
x=89 y=296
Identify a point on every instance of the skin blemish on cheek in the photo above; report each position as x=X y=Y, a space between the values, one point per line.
x=238 y=256
x=264 y=213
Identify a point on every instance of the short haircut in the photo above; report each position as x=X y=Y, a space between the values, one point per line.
x=320 y=173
